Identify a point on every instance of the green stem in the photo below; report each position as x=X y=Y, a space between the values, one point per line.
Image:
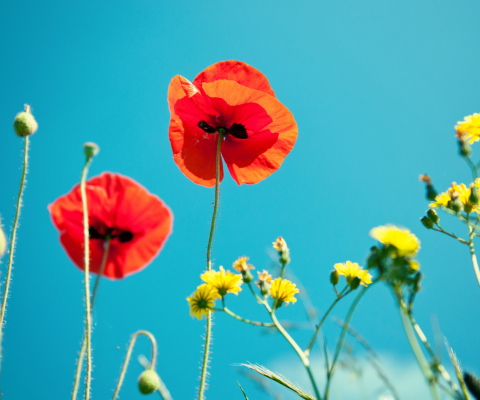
x=129 y=354
x=247 y=321
x=13 y=239
x=342 y=339
x=319 y=326
x=436 y=360
x=208 y=333
x=472 y=254
x=78 y=371
x=441 y=230
x=86 y=264
x=303 y=357
x=217 y=197
x=417 y=351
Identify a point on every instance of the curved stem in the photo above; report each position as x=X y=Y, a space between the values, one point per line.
x=417 y=351
x=86 y=267
x=319 y=326
x=342 y=339
x=208 y=333
x=78 y=371
x=129 y=354
x=303 y=357
x=13 y=239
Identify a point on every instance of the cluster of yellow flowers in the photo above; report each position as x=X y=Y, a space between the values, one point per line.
x=459 y=197
x=219 y=283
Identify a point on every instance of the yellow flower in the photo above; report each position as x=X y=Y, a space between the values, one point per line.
x=241 y=265
x=469 y=128
x=461 y=191
x=406 y=243
x=352 y=270
x=283 y=291
x=224 y=281
x=202 y=300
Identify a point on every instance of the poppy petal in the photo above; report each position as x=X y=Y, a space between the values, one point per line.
x=193 y=149
x=238 y=71
x=116 y=203
x=271 y=128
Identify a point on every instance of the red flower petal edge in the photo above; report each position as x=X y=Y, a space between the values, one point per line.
x=137 y=221
x=236 y=98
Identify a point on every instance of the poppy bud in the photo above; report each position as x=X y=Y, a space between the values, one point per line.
x=91 y=149
x=432 y=215
x=473 y=384
x=24 y=123
x=354 y=283
x=3 y=242
x=427 y=222
x=334 y=277
x=463 y=147
x=148 y=381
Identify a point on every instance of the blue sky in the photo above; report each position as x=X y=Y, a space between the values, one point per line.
x=375 y=87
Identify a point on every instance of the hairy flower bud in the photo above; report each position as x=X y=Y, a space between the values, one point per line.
x=24 y=123
x=463 y=147
x=91 y=149
x=427 y=222
x=432 y=214
x=334 y=277
x=148 y=381
x=354 y=283
x=473 y=198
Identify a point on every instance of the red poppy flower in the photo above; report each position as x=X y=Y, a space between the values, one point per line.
x=234 y=99
x=137 y=222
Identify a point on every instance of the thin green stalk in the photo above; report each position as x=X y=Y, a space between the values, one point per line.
x=417 y=351
x=129 y=354
x=217 y=198
x=247 y=321
x=342 y=339
x=473 y=255
x=436 y=360
x=78 y=371
x=319 y=326
x=13 y=239
x=86 y=264
x=303 y=357
x=208 y=333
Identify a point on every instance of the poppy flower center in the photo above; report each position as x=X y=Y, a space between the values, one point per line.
x=236 y=130
x=111 y=233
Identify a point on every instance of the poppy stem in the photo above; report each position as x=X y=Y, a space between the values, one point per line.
x=13 y=239
x=217 y=198
x=78 y=371
x=86 y=264
x=129 y=354
x=208 y=329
